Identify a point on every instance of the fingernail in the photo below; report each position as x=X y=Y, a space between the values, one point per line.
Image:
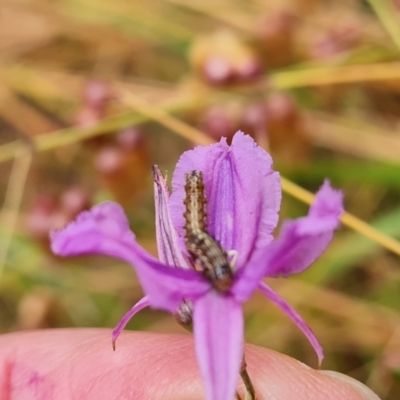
x=359 y=387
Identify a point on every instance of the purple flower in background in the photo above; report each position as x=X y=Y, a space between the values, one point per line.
x=243 y=199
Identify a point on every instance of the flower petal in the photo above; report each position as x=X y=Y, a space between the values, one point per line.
x=294 y=316
x=218 y=333
x=302 y=241
x=299 y=244
x=105 y=230
x=243 y=193
x=143 y=303
x=167 y=238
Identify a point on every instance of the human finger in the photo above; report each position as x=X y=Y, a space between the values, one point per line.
x=80 y=364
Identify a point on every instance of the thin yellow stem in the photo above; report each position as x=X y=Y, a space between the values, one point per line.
x=348 y=219
x=165 y=119
x=335 y=75
x=68 y=136
x=388 y=15
x=13 y=199
x=236 y=19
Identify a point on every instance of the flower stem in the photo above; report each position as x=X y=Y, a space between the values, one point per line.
x=250 y=392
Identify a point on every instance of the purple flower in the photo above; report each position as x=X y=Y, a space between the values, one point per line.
x=243 y=199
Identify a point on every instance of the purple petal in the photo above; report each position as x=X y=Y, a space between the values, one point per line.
x=167 y=238
x=299 y=244
x=143 y=303
x=105 y=230
x=325 y=211
x=292 y=314
x=218 y=333
x=243 y=193
x=302 y=241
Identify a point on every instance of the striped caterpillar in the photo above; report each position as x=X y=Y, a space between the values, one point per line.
x=207 y=253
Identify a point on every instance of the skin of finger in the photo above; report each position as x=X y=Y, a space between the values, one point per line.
x=367 y=393
x=80 y=364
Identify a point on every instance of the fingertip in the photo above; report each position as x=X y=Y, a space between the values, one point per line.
x=360 y=388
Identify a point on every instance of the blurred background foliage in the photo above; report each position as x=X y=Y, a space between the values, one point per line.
x=94 y=92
